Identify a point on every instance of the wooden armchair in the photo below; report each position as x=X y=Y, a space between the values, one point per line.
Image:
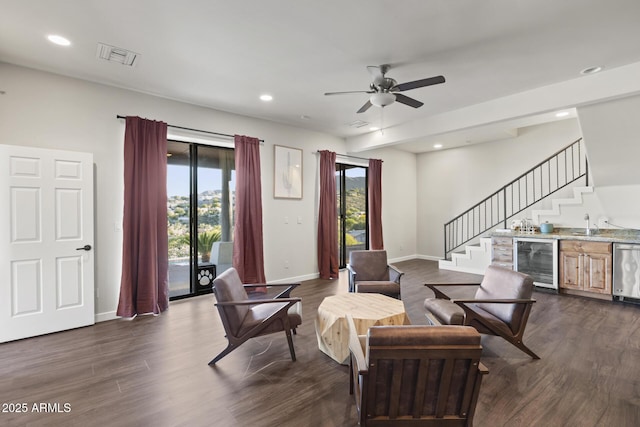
x=415 y=375
x=245 y=318
x=369 y=272
x=501 y=306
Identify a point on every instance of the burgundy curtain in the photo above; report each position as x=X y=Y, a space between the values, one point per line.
x=328 y=217
x=375 y=204
x=144 y=284
x=248 y=257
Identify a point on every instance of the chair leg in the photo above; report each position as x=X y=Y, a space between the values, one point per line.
x=224 y=352
x=290 y=341
x=521 y=346
x=514 y=340
x=350 y=374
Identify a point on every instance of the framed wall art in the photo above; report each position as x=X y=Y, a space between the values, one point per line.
x=287 y=172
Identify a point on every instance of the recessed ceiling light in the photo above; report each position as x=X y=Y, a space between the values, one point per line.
x=591 y=70
x=59 y=40
x=266 y=97
x=562 y=114
x=437 y=145
x=373 y=128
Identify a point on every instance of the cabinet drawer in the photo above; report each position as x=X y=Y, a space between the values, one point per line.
x=583 y=246
x=501 y=253
x=502 y=241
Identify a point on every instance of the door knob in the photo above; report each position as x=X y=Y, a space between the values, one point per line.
x=84 y=248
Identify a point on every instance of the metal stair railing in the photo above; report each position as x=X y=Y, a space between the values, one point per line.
x=552 y=174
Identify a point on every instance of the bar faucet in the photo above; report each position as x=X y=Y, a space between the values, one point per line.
x=587 y=230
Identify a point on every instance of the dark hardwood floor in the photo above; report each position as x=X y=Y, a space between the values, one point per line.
x=153 y=370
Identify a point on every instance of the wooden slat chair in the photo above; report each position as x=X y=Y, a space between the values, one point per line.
x=501 y=306
x=245 y=318
x=369 y=272
x=415 y=375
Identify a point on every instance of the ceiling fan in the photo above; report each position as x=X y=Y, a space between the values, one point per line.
x=384 y=90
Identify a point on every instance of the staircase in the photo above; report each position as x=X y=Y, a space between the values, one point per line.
x=469 y=230
x=476 y=257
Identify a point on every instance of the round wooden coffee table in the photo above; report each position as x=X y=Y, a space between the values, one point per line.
x=366 y=309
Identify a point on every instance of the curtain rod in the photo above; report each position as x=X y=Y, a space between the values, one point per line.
x=346 y=155
x=195 y=130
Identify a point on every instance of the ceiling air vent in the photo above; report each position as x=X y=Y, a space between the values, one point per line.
x=358 y=124
x=117 y=54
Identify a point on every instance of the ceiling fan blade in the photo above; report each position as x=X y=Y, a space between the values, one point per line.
x=403 y=99
x=353 y=91
x=418 y=83
x=365 y=107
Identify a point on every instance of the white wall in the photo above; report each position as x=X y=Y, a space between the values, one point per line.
x=399 y=200
x=50 y=111
x=611 y=133
x=451 y=181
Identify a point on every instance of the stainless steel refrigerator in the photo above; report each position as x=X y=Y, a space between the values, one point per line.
x=626 y=271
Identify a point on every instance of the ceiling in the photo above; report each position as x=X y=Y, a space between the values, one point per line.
x=225 y=54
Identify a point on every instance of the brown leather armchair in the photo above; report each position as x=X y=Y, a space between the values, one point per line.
x=369 y=272
x=245 y=318
x=415 y=375
x=501 y=306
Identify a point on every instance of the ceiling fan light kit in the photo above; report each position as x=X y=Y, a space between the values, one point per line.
x=382 y=99
x=384 y=89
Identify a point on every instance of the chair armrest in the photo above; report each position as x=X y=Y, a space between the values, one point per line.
x=441 y=295
x=355 y=347
x=270 y=285
x=452 y=284
x=394 y=273
x=286 y=293
x=259 y=301
x=493 y=301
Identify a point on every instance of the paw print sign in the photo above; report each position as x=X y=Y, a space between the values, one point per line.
x=205 y=277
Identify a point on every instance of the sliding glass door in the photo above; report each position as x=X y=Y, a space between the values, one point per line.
x=200 y=208
x=351 y=187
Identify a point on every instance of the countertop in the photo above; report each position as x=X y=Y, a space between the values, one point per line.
x=599 y=235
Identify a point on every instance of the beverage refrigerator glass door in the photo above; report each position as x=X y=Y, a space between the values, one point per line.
x=539 y=259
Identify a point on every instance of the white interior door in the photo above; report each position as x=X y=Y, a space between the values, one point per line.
x=46 y=219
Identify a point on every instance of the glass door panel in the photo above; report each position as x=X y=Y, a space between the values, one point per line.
x=178 y=216
x=200 y=212
x=351 y=188
x=215 y=183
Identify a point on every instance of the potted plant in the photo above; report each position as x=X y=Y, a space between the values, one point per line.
x=205 y=241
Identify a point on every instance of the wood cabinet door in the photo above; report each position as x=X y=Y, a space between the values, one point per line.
x=597 y=273
x=570 y=270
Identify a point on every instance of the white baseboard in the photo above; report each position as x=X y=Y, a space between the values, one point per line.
x=428 y=257
x=103 y=317
x=403 y=258
x=295 y=279
x=463 y=269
